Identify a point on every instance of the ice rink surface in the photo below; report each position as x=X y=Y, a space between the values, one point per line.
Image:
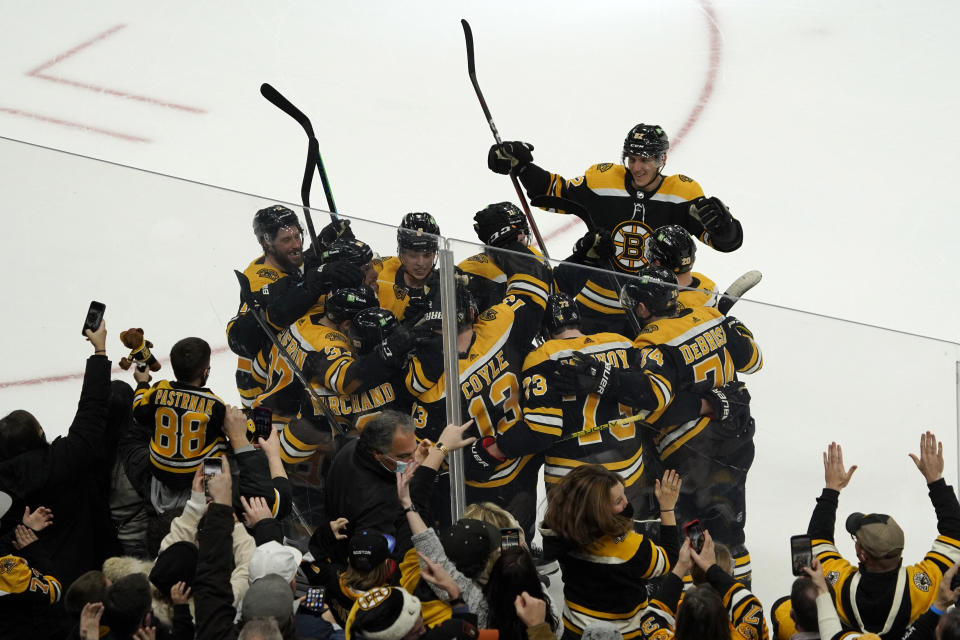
x=829 y=129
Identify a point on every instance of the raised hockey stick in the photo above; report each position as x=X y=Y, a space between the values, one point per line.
x=577 y=209
x=314 y=159
x=258 y=315
x=472 y=71
x=737 y=288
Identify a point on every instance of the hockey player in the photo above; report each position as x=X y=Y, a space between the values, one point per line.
x=280 y=283
x=672 y=247
x=185 y=421
x=700 y=350
x=631 y=199
x=498 y=225
x=403 y=280
x=552 y=419
x=492 y=346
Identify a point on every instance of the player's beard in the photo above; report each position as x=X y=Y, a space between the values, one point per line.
x=287 y=262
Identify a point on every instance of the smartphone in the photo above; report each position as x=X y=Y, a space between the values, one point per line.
x=262 y=423
x=94 y=317
x=509 y=539
x=313 y=601
x=211 y=467
x=694 y=531
x=801 y=554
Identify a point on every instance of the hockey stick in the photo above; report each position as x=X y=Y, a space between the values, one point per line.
x=472 y=71
x=606 y=425
x=258 y=315
x=314 y=159
x=737 y=288
x=577 y=209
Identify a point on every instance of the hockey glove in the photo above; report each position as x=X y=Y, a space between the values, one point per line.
x=336 y=230
x=583 y=375
x=395 y=347
x=332 y=276
x=730 y=407
x=509 y=156
x=713 y=215
x=733 y=325
x=594 y=245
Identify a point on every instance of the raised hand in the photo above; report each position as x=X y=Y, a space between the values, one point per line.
x=930 y=462
x=836 y=477
x=667 y=490
x=180 y=593
x=39 y=520
x=255 y=509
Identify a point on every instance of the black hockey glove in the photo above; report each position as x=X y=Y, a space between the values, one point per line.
x=509 y=156
x=336 y=230
x=395 y=347
x=713 y=215
x=583 y=375
x=730 y=405
x=594 y=245
x=332 y=276
x=735 y=326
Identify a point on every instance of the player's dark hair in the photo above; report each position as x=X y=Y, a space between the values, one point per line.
x=513 y=573
x=189 y=357
x=377 y=435
x=19 y=432
x=702 y=616
x=579 y=508
x=949 y=625
x=803 y=604
x=90 y=587
x=126 y=603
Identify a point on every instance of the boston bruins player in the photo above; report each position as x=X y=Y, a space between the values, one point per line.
x=551 y=417
x=281 y=284
x=702 y=351
x=631 y=199
x=402 y=280
x=672 y=247
x=492 y=347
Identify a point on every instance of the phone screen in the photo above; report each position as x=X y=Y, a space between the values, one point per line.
x=212 y=466
x=313 y=602
x=694 y=531
x=509 y=538
x=801 y=554
x=262 y=423
x=94 y=317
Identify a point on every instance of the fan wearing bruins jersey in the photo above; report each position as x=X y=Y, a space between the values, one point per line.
x=404 y=281
x=283 y=285
x=708 y=435
x=26 y=595
x=184 y=417
x=882 y=595
x=552 y=420
x=492 y=347
x=631 y=199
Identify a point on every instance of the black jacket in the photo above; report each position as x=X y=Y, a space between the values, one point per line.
x=212 y=593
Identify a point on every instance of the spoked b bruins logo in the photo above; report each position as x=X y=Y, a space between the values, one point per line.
x=628 y=238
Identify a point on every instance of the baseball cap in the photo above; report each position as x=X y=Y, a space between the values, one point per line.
x=878 y=534
x=274 y=558
x=469 y=543
x=383 y=613
x=369 y=548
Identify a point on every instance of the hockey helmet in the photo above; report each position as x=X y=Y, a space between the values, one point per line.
x=655 y=287
x=418 y=232
x=344 y=304
x=498 y=220
x=356 y=252
x=369 y=327
x=267 y=222
x=648 y=140
x=671 y=246
x=561 y=312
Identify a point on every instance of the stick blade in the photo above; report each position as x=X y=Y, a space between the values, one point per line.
x=468 y=36
x=737 y=289
x=278 y=100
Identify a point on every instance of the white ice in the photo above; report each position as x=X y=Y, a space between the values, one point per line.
x=831 y=133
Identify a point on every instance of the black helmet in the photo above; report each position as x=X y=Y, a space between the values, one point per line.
x=356 y=252
x=646 y=140
x=418 y=232
x=498 y=221
x=671 y=246
x=369 y=327
x=267 y=222
x=655 y=287
x=561 y=312
x=344 y=304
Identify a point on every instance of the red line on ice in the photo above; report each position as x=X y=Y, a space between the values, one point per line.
x=74 y=125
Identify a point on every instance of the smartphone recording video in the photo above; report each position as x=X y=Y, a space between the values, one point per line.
x=509 y=539
x=694 y=531
x=801 y=554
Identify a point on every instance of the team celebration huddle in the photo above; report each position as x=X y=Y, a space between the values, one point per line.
x=609 y=382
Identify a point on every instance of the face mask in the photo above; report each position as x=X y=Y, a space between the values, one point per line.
x=627 y=511
x=401 y=464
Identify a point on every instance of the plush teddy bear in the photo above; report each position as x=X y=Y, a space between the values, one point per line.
x=139 y=351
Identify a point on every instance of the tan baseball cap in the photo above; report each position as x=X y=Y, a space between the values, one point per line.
x=878 y=534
